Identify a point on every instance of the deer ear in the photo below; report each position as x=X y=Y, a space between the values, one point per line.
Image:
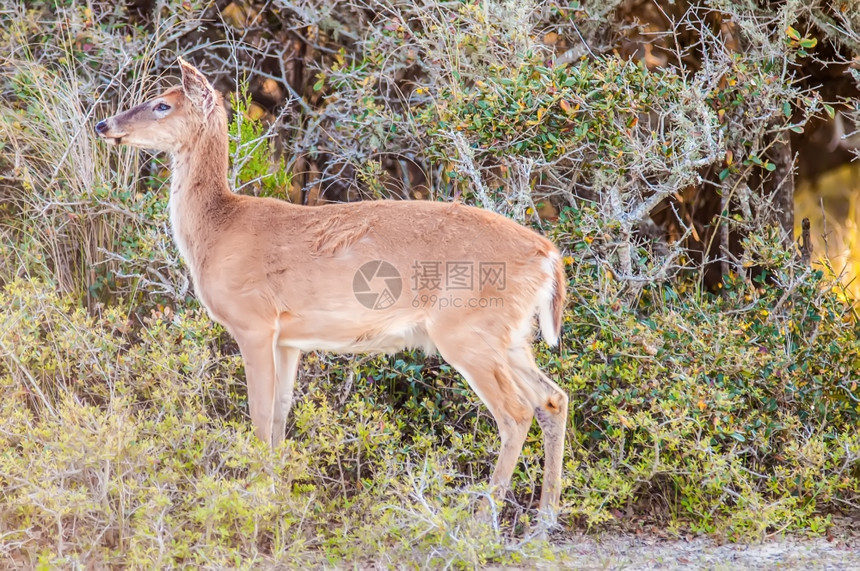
x=197 y=88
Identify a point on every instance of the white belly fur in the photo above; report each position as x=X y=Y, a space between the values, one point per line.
x=413 y=336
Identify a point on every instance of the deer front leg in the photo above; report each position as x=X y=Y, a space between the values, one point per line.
x=258 y=352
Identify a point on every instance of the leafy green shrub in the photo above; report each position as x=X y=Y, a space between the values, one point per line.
x=132 y=445
x=547 y=112
x=738 y=411
x=252 y=152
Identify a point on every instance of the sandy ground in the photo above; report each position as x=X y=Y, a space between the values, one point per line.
x=628 y=552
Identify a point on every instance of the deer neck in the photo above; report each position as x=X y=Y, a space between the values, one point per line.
x=199 y=192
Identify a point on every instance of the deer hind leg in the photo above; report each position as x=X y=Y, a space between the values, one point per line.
x=286 y=368
x=258 y=352
x=482 y=363
x=551 y=412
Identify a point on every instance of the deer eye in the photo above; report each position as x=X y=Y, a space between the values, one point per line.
x=162 y=107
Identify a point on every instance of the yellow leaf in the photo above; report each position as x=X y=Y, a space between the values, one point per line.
x=255 y=112
x=270 y=88
x=239 y=17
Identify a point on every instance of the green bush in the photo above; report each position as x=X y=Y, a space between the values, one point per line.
x=252 y=151
x=132 y=445
x=736 y=412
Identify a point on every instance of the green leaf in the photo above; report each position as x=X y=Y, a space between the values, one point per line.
x=786 y=109
x=769 y=166
x=319 y=84
x=808 y=43
x=792 y=33
x=797 y=129
x=724 y=173
x=830 y=111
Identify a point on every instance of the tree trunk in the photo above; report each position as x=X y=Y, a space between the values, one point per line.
x=782 y=182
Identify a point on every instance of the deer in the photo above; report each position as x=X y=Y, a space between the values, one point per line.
x=376 y=276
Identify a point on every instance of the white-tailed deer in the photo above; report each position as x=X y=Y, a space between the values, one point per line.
x=375 y=276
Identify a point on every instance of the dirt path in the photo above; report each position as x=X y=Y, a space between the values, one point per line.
x=629 y=552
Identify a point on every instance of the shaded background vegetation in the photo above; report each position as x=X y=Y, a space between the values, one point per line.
x=712 y=365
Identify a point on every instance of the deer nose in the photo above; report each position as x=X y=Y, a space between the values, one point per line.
x=101 y=127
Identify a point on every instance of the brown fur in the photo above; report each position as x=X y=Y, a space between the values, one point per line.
x=281 y=278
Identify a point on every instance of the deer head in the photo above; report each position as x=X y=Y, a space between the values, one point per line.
x=171 y=120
